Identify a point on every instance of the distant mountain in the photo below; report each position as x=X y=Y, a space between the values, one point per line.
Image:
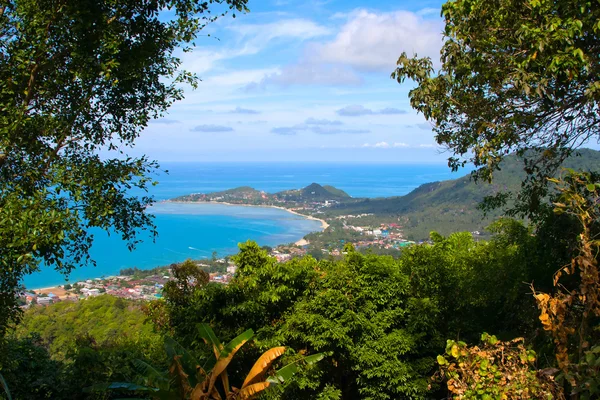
x=450 y=206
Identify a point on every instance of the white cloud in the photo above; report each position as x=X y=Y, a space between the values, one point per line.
x=371 y=41
x=308 y=74
x=239 y=77
x=378 y=145
x=367 y=41
x=291 y=28
x=252 y=39
x=427 y=146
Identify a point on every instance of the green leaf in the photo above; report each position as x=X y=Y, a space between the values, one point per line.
x=208 y=335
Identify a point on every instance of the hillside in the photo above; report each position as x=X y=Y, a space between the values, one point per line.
x=313 y=192
x=247 y=195
x=451 y=205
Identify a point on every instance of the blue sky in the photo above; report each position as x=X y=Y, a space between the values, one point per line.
x=303 y=81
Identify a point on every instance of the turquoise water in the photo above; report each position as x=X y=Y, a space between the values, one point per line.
x=196 y=230
x=187 y=231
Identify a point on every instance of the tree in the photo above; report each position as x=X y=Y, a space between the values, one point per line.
x=79 y=81
x=515 y=75
x=188 y=278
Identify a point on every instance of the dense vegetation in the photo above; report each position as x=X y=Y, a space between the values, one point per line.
x=61 y=349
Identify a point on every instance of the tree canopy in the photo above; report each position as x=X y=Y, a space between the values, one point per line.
x=79 y=81
x=515 y=75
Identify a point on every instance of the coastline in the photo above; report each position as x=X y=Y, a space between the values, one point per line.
x=324 y=224
x=300 y=242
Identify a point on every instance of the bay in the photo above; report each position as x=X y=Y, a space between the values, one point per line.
x=196 y=230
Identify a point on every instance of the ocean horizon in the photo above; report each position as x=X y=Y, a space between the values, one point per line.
x=196 y=230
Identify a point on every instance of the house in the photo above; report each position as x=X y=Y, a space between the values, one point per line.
x=44 y=300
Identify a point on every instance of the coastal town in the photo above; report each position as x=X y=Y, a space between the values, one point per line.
x=142 y=285
x=148 y=285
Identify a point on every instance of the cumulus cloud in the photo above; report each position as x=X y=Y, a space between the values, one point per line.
x=211 y=128
x=366 y=41
x=426 y=146
x=371 y=41
x=358 y=110
x=240 y=110
x=165 y=121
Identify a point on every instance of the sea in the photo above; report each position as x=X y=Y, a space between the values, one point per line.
x=196 y=230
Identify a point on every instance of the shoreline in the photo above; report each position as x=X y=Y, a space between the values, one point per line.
x=324 y=224
x=300 y=242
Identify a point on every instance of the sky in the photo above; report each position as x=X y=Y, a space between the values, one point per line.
x=303 y=81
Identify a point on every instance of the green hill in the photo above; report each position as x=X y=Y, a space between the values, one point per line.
x=313 y=192
x=450 y=206
x=247 y=195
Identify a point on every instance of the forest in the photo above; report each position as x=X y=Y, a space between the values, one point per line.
x=516 y=316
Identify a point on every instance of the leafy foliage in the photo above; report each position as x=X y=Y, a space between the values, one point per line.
x=497 y=370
